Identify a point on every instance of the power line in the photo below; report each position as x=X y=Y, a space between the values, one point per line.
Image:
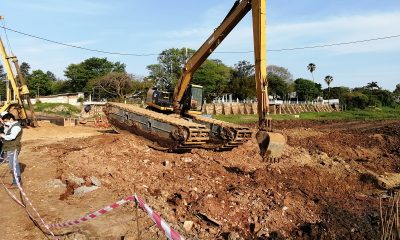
x=78 y=47
x=335 y=44
x=225 y=52
x=5 y=33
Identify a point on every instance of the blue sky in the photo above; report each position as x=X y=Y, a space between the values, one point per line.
x=153 y=25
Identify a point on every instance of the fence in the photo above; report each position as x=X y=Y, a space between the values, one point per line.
x=251 y=108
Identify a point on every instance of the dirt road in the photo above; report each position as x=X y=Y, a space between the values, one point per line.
x=317 y=190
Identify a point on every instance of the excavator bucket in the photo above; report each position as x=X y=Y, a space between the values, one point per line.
x=271 y=144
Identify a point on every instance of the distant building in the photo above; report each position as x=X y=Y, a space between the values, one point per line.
x=70 y=98
x=331 y=101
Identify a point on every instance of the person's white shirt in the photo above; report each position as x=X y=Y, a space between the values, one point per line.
x=14 y=131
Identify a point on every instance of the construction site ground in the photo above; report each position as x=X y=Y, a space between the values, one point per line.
x=327 y=185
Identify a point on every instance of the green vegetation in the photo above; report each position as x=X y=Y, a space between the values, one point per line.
x=105 y=79
x=62 y=109
x=366 y=114
x=250 y=118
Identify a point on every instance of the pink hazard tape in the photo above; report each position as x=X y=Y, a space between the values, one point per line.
x=161 y=224
x=94 y=214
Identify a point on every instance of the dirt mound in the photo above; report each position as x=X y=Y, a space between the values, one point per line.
x=375 y=145
x=324 y=187
x=306 y=195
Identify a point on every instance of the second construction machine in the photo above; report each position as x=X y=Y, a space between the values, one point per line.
x=171 y=120
x=18 y=90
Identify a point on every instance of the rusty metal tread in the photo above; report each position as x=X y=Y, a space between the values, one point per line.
x=242 y=133
x=221 y=123
x=159 y=116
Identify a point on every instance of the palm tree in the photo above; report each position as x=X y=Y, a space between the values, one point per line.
x=328 y=79
x=372 y=86
x=311 y=67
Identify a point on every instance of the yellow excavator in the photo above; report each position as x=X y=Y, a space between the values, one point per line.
x=171 y=121
x=18 y=92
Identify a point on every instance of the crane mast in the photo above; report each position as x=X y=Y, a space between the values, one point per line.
x=18 y=88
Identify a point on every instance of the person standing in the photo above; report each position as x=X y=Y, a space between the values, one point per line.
x=12 y=144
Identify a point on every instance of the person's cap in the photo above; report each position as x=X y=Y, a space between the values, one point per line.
x=3 y=113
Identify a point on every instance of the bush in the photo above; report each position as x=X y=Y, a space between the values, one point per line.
x=62 y=109
x=356 y=100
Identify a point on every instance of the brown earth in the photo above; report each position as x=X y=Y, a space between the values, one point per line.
x=319 y=189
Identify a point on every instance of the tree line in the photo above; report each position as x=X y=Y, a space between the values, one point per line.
x=102 y=78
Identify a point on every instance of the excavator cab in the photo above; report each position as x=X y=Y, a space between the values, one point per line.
x=162 y=101
x=192 y=100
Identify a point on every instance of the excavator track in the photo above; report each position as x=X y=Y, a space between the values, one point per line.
x=169 y=132
x=223 y=135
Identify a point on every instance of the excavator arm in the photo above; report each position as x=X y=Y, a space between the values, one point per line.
x=238 y=11
x=271 y=144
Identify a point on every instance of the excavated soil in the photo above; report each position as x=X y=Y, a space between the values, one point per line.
x=318 y=190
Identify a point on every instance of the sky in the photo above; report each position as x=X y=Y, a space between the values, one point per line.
x=151 y=26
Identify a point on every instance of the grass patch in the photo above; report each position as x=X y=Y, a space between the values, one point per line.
x=61 y=109
x=366 y=114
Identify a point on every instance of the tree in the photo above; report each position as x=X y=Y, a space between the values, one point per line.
x=281 y=72
x=397 y=90
x=277 y=87
x=169 y=68
x=161 y=77
x=280 y=81
x=59 y=86
x=372 y=86
x=376 y=95
x=355 y=100
x=306 y=89
x=51 y=75
x=336 y=93
x=311 y=67
x=39 y=83
x=213 y=75
x=396 y=93
x=328 y=79
x=3 y=79
x=25 y=69
x=244 y=69
x=80 y=75
x=115 y=84
x=140 y=87
x=242 y=84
